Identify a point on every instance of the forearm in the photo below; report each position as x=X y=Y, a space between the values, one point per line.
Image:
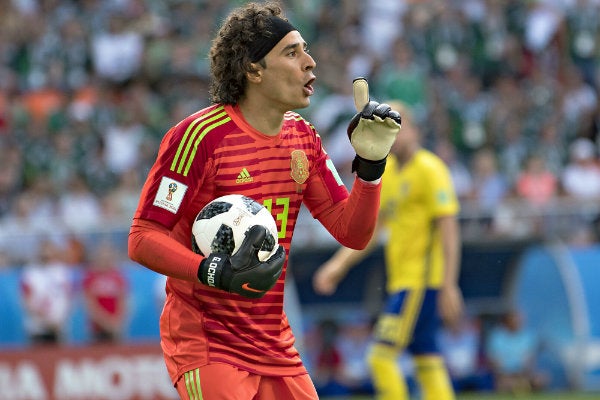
x=353 y=224
x=451 y=245
x=350 y=257
x=345 y=258
x=150 y=245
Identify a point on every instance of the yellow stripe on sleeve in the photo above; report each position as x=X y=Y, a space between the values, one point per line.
x=197 y=142
x=189 y=136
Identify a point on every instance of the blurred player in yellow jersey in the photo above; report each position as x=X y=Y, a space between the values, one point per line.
x=422 y=253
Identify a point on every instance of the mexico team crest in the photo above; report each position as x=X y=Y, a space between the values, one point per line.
x=299 y=166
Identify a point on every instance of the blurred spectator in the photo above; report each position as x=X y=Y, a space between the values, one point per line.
x=11 y=178
x=120 y=204
x=353 y=343
x=78 y=208
x=552 y=146
x=536 y=183
x=47 y=294
x=536 y=192
x=382 y=20
x=581 y=183
x=461 y=176
x=511 y=350
x=21 y=228
x=513 y=150
x=44 y=100
x=329 y=363
x=496 y=44
x=117 y=52
x=489 y=185
x=448 y=37
x=543 y=126
x=582 y=31
x=581 y=176
x=579 y=101
x=470 y=107
x=63 y=164
x=122 y=140
x=74 y=253
x=74 y=51
x=106 y=291
x=507 y=102
x=404 y=78
x=541 y=25
x=461 y=346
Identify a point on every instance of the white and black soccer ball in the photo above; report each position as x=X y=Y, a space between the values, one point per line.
x=220 y=226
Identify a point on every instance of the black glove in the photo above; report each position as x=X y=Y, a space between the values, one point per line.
x=243 y=273
x=372 y=132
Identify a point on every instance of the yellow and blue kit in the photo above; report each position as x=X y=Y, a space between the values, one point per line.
x=413 y=196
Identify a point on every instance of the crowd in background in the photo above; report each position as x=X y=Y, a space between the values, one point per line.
x=499 y=355
x=506 y=92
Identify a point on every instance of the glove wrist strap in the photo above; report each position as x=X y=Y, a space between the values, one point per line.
x=212 y=270
x=368 y=170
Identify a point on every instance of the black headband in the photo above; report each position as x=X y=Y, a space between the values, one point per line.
x=275 y=30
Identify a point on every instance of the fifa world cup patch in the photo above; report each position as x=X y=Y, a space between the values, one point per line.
x=170 y=194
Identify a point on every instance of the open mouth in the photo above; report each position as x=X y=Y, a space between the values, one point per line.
x=308 y=88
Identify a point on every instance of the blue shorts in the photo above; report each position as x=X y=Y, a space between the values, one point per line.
x=410 y=320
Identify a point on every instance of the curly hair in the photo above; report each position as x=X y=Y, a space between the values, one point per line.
x=230 y=50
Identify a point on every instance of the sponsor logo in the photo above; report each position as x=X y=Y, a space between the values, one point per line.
x=244 y=177
x=246 y=286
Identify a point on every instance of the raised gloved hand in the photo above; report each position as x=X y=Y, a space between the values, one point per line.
x=372 y=132
x=243 y=273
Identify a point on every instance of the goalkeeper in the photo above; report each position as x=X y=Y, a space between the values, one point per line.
x=224 y=333
x=419 y=209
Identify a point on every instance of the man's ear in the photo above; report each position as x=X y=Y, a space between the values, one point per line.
x=254 y=74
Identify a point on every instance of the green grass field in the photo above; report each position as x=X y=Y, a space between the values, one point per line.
x=540 y=396
x=486 y=396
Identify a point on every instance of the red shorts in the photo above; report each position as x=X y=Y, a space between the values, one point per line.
x=225 y=382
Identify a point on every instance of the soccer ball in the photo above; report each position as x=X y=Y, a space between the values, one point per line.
x=220 y=226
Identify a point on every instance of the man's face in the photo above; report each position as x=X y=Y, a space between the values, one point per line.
x=287 y=80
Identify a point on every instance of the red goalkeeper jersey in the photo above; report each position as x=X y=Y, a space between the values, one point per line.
x=215 y=152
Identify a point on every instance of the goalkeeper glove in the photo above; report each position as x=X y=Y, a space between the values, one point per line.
x=243 y=273
x=372 y=132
